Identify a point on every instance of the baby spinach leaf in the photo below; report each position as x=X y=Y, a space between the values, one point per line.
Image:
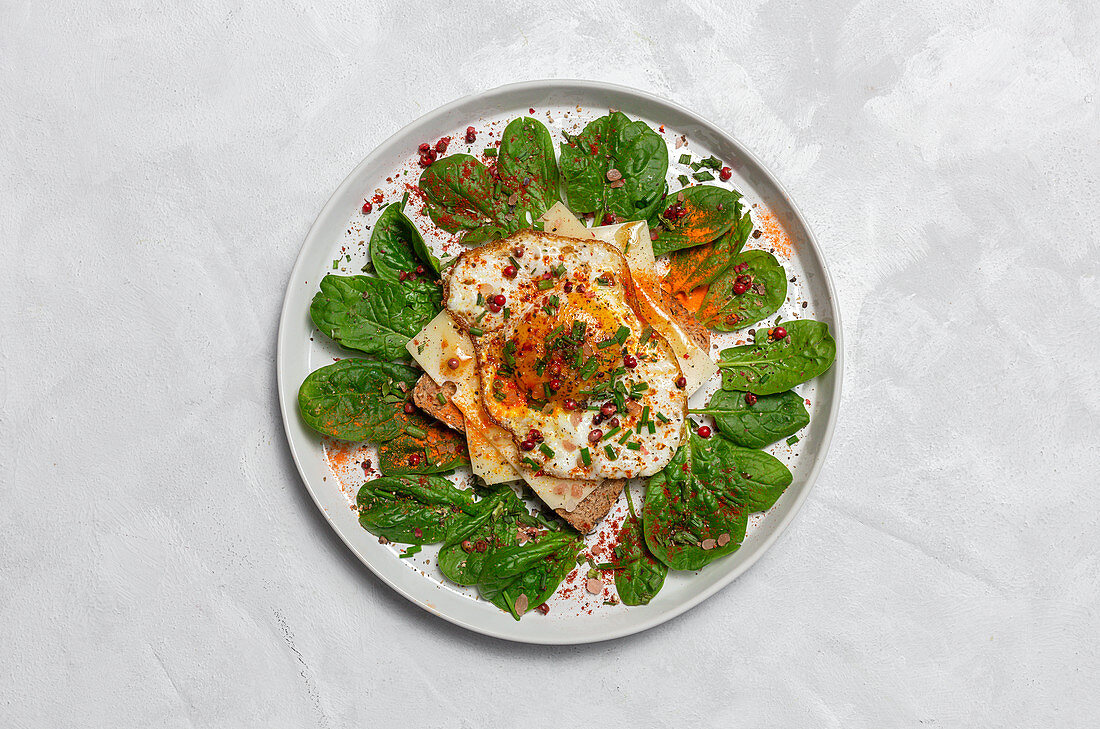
x=397 y=247
x=631 y=148
x=727 y=311
x=709 y=213
x=440 y=449
x=494 y=525
x=638 y=575
x=374 y=315
x=527 y=166
x=357 y=399
x=771 y=418
x=694 y=267
x=697 y=508
x=461 y=195
x=768 y=367
x=411 y=509
x=520 y=577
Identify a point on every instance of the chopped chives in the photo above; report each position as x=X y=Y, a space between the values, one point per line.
x=558 y=269
x=703 y=176
x=612 y=433
x=410 y=551
x=712 y=162
x=415 y=431
x=792 y=440
x=695 y=165
x=514 y=262
x=683 y=180
x=532 y=463
x=646 y=334
x=476 y=331
x=481 y=316
x=335 y=263
x=577 y=357
x=605 y=343
x=480 y=299
x=652 y=427
x=545 y=284
x=685 y=159
x=507 y=312
x=622 y=334
x=586 y=457
x=625 y=438
x=601 y=281
x=578 y=330
x=589 y=368
x=645 y=414
x=546 y=450
x=546 y=390
x=441 y=398
x=499 y=396
x=640 y=386
x=662 y=418
x=633 y=445
x=610 y=453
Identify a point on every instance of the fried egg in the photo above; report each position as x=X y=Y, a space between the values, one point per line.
x=584 y=385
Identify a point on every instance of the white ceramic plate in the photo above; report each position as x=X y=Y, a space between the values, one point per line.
x=332 y=471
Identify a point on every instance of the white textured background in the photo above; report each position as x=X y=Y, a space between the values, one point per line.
x=161 y=565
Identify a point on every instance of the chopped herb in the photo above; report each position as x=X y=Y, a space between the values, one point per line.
x=554 y=334
x=601 y=281
x=625 y=438
x=589 y=368
x=410 y=551
x=577 y=356
x=476 y=331
x=640 y=386
x=622 y=334
x=507 y=312
x=558 y=269
x=481 y=316
x=610 y=453
x=683 y=180
x=510 y=354
x=480 y=299
x=633 y=445
x=662 y=418
x=695 y=165
x=547 y=391
x=645 y=414
x=514 y=262
x=646 y=334
x=612 y=433
x=441 y=398
x=414 y=431
x=532 y=463
x=545 y=284
x=578 y=330
x=685 y=159
x=712 y=162
x=792 y=440
x=546 y=450
x=335 y=263
x=605 y=343
x=652 y=427
x=703 y=176
x=586 y=457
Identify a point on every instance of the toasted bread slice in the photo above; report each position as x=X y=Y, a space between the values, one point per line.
x=426 y=396
x=594 y=507
x=589 y=511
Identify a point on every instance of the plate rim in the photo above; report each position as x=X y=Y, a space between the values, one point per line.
x=551 y=84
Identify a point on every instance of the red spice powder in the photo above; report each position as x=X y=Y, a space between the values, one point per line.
x=774 y=232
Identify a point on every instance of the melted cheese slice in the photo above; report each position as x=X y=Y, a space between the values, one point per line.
x=637 y=247
x=493 y=455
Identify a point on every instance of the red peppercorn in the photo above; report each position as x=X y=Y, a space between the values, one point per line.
x=681 y=382
x=498 y=299
x=482 y=545
x=403 y=275
x=467 y=545
x=613 y=423
x=418 y=532
x=367 y=207
x=704 y=431
x=555 y=369
x=750 y=399
x=630 y=361
x=414 y=459
x=530 y=111
x=424 y=147
x=471 y=135
x=568 y=287
x=543 y=608
x=425 y=161
x=580 y=288
x=527 y=445
x=570 y=404
x=420 y=270
x=453 y=363
x=441 y=145
x=608 y=218
x=510 y=271
x=779 y=333
x=724 y=174
x=739 y=288
x=608 y=409
x=555 y=384
x=595 y=435
x=535 y=434
x=409 y=409
x=494 y=307
x=597 y=419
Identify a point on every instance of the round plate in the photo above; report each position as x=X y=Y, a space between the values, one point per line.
x=337 y=240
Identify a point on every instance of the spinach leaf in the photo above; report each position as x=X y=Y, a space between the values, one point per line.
x=709 y=213
x=769 y=419
x=357 y=399
x=697 y=508
x=527 y=166
x=374 y=315
x=462 y=195
x=727 y=311
x=694 y=267
x=439 y=449
x=768 y=367
x=494 y=525
x=520 y=577
x=638 y=575
x=613 y=142
x=397 y=247
x=411 y=509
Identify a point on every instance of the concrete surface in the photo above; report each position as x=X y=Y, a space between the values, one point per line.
x=161 y=563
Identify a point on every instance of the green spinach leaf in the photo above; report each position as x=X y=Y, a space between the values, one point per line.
x=768 y=367
x=462 y=195
x=637 y=154
x=709 y=213
x=697 y=508
x=771 y=418
x=412 y=509
x=520 y=577
x=397 y=247
x=440 y=449
x=374 y=315
x=357 y=399
x=694 y=267
x=495 y=524
x=527 y=166
x=725 y=310
x=638 y=575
